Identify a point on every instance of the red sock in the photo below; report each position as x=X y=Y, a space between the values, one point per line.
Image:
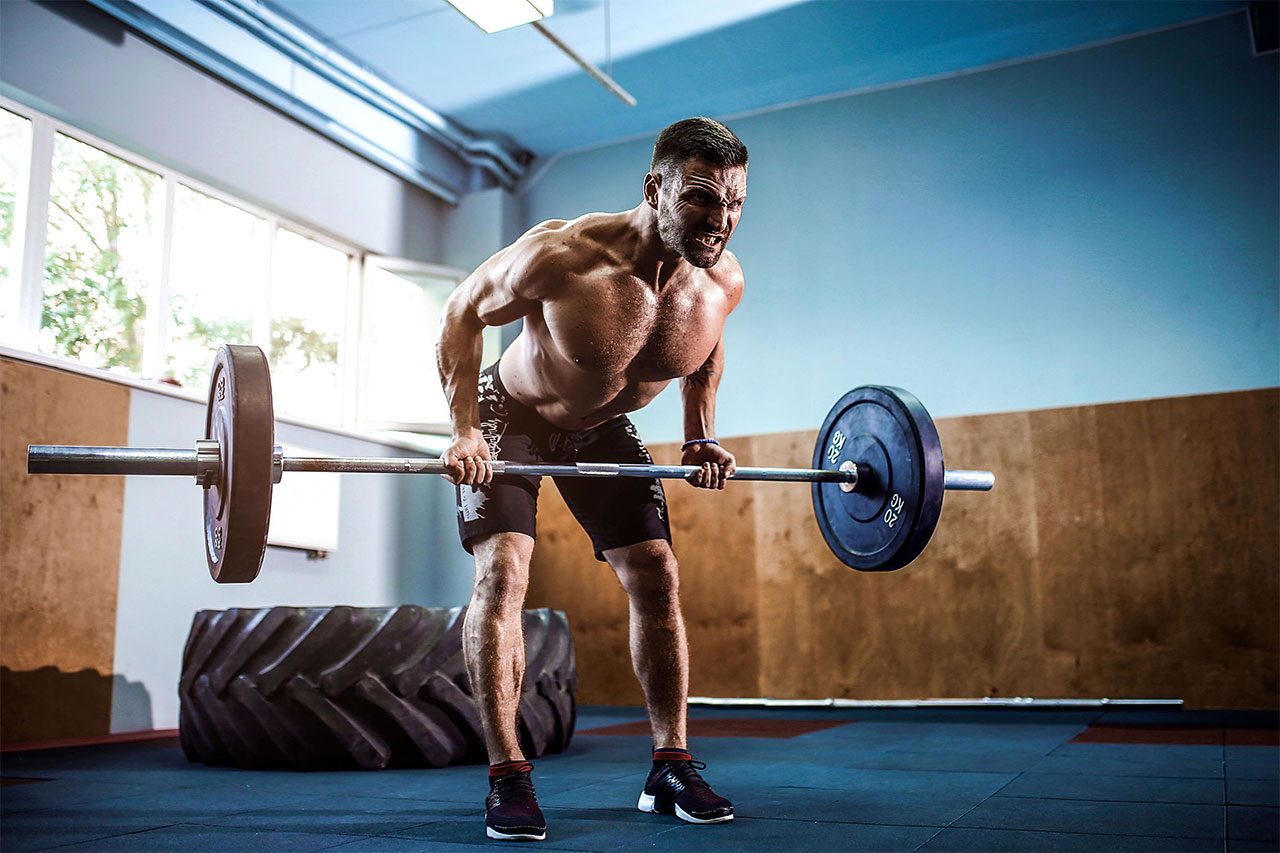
x=670 y=754
x=518 y=766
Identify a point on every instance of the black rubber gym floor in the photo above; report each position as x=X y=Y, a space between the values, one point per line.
x=801 y=779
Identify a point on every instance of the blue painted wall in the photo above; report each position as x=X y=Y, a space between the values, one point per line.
x=1095 y=226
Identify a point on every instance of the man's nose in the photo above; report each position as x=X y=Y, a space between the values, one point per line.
x=719 y=217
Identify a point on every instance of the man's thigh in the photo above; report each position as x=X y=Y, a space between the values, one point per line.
x=617 y=511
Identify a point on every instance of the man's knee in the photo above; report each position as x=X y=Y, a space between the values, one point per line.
x=502 y=570
x=647 y=570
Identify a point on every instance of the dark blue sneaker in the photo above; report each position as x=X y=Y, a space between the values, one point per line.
x=676 y=787
x=511 y=810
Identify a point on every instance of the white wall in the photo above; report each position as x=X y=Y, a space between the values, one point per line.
x=397 y=538
x=397 y=544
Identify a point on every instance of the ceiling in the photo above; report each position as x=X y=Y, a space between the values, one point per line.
x=697 y=57
x=419 y=89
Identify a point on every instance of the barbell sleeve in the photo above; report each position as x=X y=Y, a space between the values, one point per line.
x=71 y=459
x=968 y=481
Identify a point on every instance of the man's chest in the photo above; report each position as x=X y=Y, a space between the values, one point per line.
x=615 y=326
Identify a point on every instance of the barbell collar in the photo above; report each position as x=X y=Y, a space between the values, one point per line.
x=208 y=462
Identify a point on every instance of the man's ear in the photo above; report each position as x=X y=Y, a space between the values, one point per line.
x=652 y=185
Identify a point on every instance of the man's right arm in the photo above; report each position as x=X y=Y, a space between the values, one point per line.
x=495 y=294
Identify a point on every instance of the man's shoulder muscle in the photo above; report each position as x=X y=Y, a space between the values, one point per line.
x=553 y=251
x=728 y=275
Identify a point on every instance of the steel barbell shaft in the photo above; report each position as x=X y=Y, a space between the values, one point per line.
x=67 y=459
x=972 y=481
x=361 y=465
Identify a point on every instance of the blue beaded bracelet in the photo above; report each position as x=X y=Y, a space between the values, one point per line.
x=694 y=441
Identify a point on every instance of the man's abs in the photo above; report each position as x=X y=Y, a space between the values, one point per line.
x=567 y=395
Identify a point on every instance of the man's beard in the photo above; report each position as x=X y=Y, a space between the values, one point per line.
x=685 y=244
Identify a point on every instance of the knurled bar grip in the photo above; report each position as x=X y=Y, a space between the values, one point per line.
x=66 y=459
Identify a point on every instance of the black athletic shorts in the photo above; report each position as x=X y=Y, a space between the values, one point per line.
x=614 y=511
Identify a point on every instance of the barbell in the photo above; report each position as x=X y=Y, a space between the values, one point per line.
x=877 y=478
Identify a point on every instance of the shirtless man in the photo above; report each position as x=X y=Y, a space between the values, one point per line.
x=615 y=306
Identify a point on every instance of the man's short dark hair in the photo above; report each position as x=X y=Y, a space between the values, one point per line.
x=700 y=138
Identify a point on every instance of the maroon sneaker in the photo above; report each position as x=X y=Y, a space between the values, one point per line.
x=676 y=787
x=511 y=810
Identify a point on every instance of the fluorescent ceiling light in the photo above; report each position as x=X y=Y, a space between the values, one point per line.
x=494 y=15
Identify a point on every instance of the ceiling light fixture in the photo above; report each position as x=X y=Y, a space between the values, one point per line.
x=495 y=15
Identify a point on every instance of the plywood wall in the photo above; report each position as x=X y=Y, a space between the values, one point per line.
x=58 y=569
x=1129 y=550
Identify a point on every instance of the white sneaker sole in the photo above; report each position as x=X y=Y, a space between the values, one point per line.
x=647 y=804
x=514 y=836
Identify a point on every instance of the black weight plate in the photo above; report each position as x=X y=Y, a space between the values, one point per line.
x=886 y=522
x=237 y=508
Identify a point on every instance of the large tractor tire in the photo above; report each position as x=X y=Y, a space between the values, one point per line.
x=348 y=687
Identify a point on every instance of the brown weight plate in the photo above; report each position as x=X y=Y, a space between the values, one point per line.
x=237 y=508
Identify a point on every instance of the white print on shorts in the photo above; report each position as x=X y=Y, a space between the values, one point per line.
x=470 y=502
x=496 y=427
x=659 y=496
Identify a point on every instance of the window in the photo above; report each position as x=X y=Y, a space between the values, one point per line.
x=120 y=264
x=399 y=387
x=102 y=256
x=308 y=317
x=218 y=268
x=15 y=161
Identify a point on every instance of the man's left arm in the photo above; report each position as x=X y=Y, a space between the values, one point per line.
x=698 y=393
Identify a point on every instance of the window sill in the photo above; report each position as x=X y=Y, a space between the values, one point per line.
x=426 y=441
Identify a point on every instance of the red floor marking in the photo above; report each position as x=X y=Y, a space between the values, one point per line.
x=728 y=727
x=1177 y=735
x=1253 y=737
x=1136 y=733
x=6 y=781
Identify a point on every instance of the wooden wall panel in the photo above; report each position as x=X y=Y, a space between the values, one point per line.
x=1129 y=550
x=60 y=553
x=714 y=537
x=715 y=541
x=566 y=573
x=790 y=575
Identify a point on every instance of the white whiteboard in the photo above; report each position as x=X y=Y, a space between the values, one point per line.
x=304 y=508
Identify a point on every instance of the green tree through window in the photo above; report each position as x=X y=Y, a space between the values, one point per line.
x=101 y=257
